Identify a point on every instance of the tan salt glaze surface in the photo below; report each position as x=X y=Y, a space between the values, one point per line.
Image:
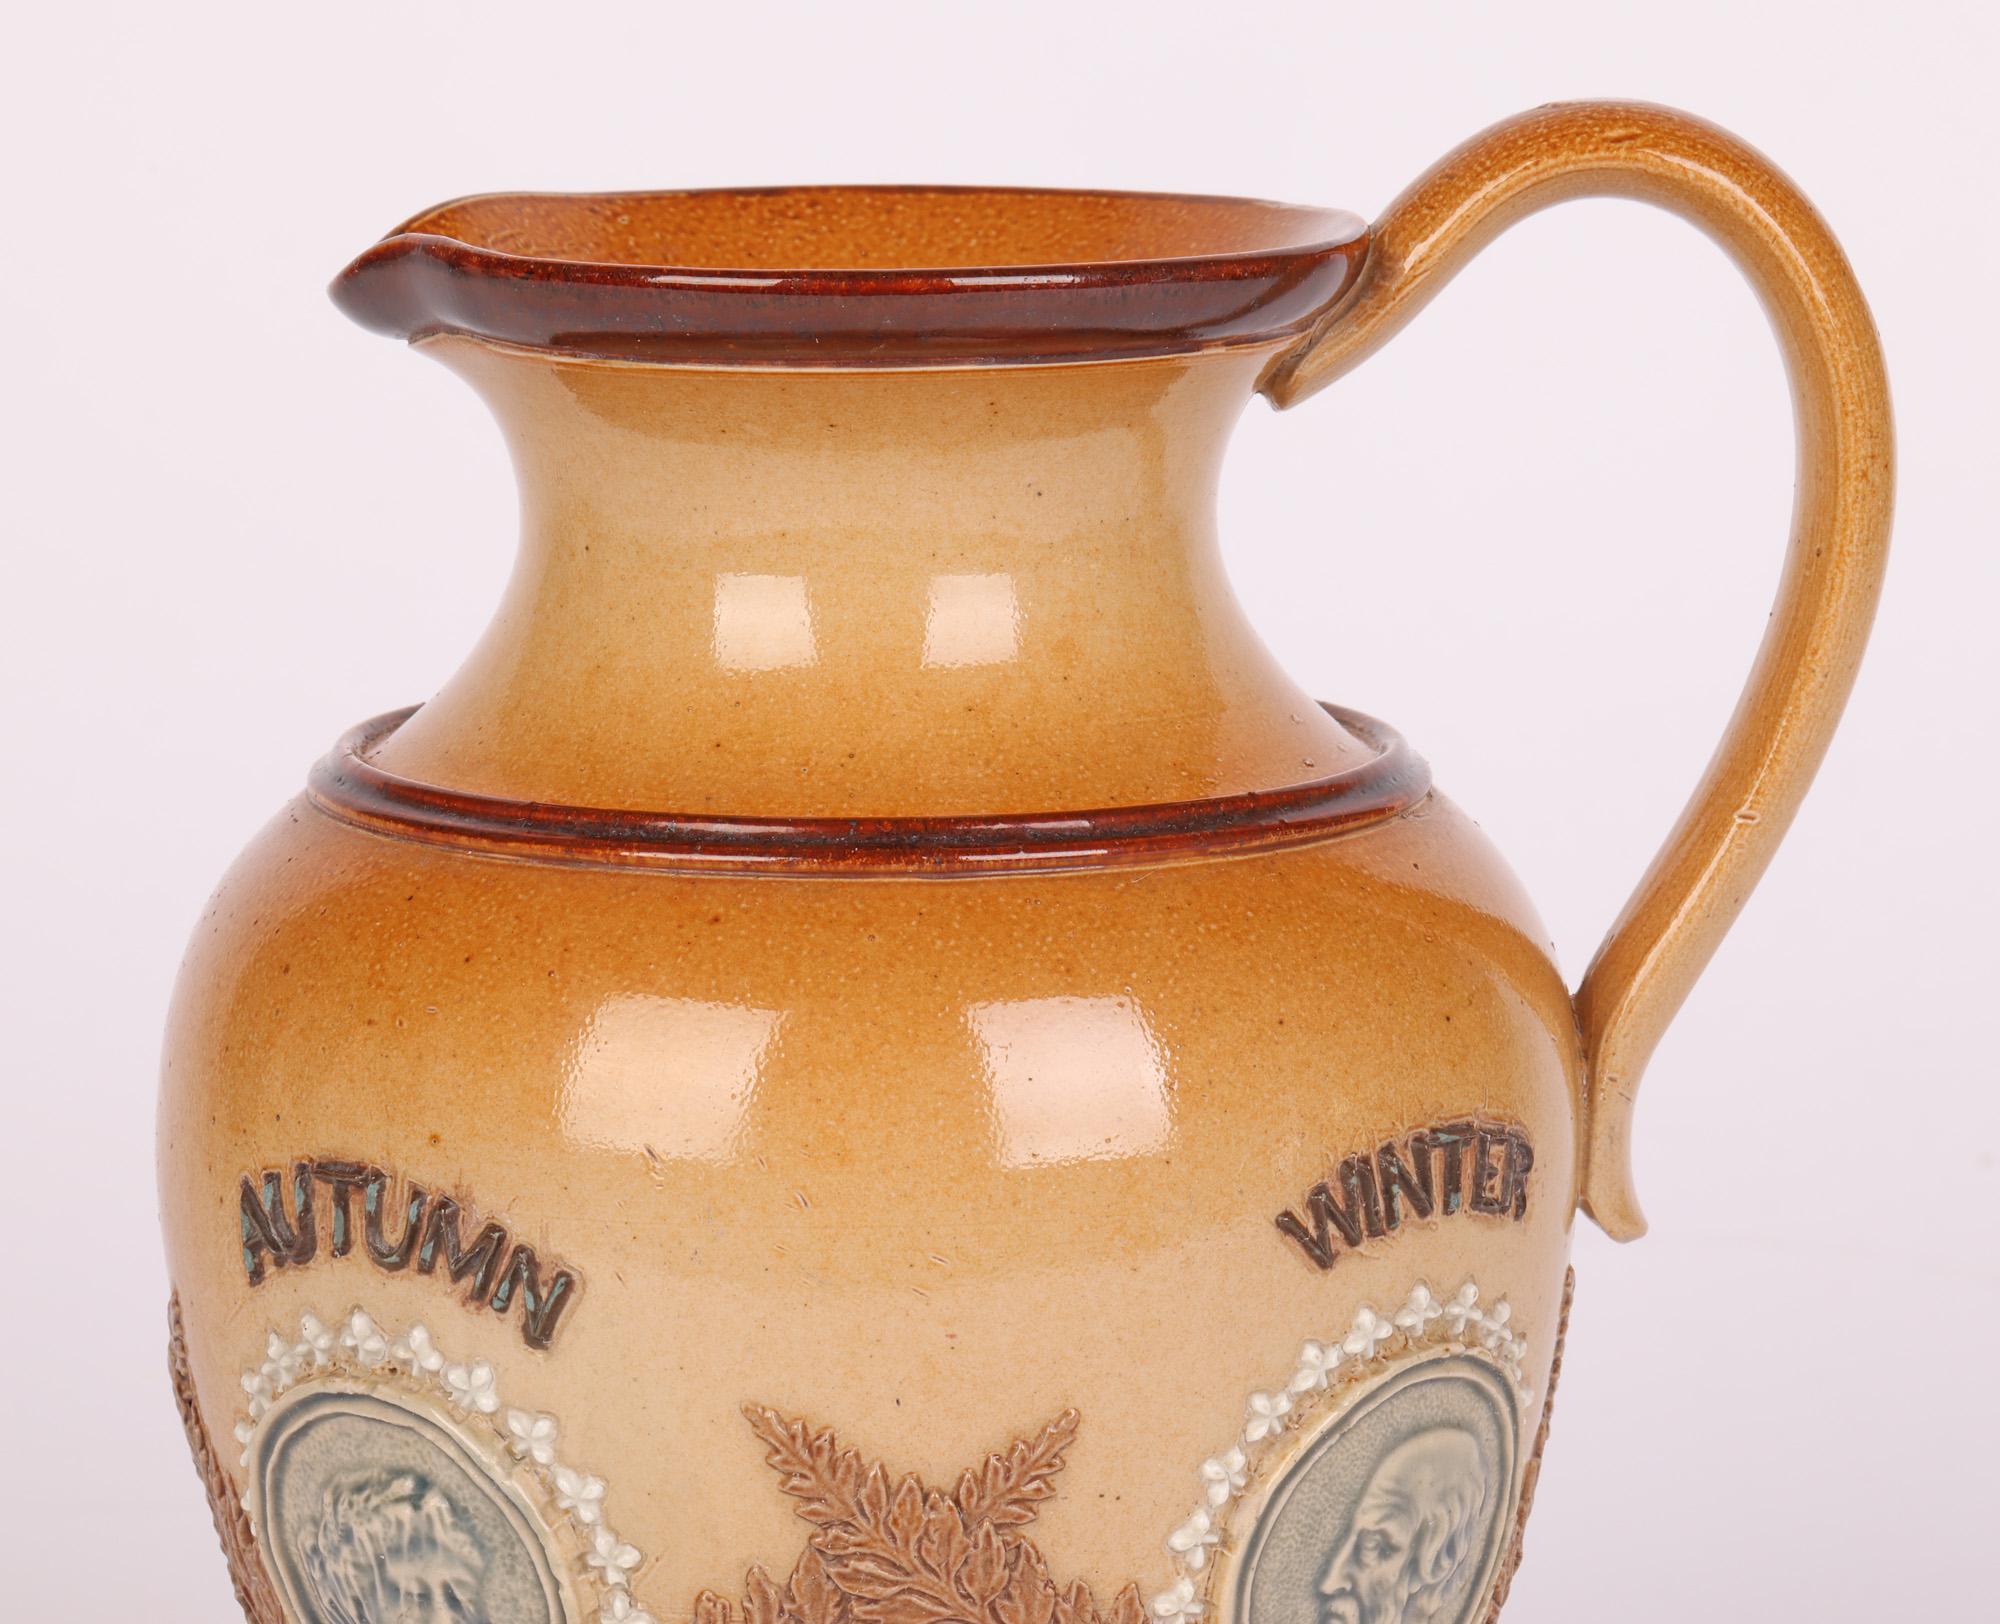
x=917 y=1157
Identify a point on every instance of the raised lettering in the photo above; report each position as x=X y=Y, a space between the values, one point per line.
x=342 y=1179
x=541 y=1305
x=1489 y=1176
x=480 y=1260
x=1425 y=1175
x=1399 y=1184
x=1346 y=1214
x=374 y=1197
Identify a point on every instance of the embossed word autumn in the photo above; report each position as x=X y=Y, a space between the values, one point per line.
x=1469 y=1166
x=432 y=1230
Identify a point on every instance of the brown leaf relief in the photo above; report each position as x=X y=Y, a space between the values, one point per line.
x=1009 y=1487
x=1511 y=1563
x=232 y=1524
x=812 y=1592
x=765 y=1603
x=882 y=1551
x=898 y=1552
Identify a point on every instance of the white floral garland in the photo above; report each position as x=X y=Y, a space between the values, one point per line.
x=471 y=1390
x=1224 y=1477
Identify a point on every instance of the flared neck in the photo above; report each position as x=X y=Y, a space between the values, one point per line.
x=866 y=593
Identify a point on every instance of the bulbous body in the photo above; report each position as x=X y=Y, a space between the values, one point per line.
x=870 y=1058
x=930 y=1162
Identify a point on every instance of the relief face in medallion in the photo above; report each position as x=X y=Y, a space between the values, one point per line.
x=1397 y=1510
x=373 y=1512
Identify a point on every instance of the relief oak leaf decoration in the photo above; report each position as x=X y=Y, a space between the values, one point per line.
x=894 y=1551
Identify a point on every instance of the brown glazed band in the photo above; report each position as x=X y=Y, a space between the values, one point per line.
x=553 y=278
x=346 y=786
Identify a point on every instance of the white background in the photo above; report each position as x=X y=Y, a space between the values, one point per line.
x=235 y=524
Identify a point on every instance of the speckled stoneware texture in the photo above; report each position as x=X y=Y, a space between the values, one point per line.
x=869 y=1058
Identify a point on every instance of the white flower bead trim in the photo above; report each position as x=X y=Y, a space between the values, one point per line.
x=1223 y=1475
x=1193 y=1539
x=316 y=1342
x=360 y=1345
x=1267 y=1415
x=281 y=1361
x=471 y=1387
x=1369 y=1333
x=1177 y=1603
x=1317 y=1363
x=1419 y=1321
x=1414 y=1318
x=534 y=1437
x=1463 y=1310
x=415 y=1350
x=258 y=1386
x=363 y=1338
x=611 y=1556
x=582 y=1497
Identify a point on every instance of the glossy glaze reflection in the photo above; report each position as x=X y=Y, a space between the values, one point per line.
x=870 y=1059
x=718 y=607
x=884 y=1148
x=857 y=276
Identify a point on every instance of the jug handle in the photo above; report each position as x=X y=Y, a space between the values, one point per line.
x=1774 y=742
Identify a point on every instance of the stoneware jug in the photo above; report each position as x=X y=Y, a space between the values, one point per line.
x=869 y=1059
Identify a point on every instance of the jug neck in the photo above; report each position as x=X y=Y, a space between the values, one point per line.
x=866 y=593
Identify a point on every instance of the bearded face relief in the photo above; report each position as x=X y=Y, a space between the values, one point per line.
x=374 y=1510
x=1395 y=1509
x=391 y=1549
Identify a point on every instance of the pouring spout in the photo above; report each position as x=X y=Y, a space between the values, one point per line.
x=857 y=276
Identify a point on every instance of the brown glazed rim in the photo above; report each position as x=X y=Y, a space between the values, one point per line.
x=345 y=785
x=574 y=294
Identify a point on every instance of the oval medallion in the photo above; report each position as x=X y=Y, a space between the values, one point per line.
x=1397 y=1509
x=372 y=1510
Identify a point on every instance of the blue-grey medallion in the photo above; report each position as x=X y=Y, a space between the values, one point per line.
x=1397 y=1510
x=375 y=1511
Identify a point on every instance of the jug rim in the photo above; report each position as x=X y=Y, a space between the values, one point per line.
x=856 y=276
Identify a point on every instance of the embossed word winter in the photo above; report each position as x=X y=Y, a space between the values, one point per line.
x=432 y=1230
x=1469 y=1166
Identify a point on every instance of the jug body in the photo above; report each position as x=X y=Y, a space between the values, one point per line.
x=936 y=1165
x=869 y=1058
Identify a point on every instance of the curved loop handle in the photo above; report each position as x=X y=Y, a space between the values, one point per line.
x=1833 y=572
